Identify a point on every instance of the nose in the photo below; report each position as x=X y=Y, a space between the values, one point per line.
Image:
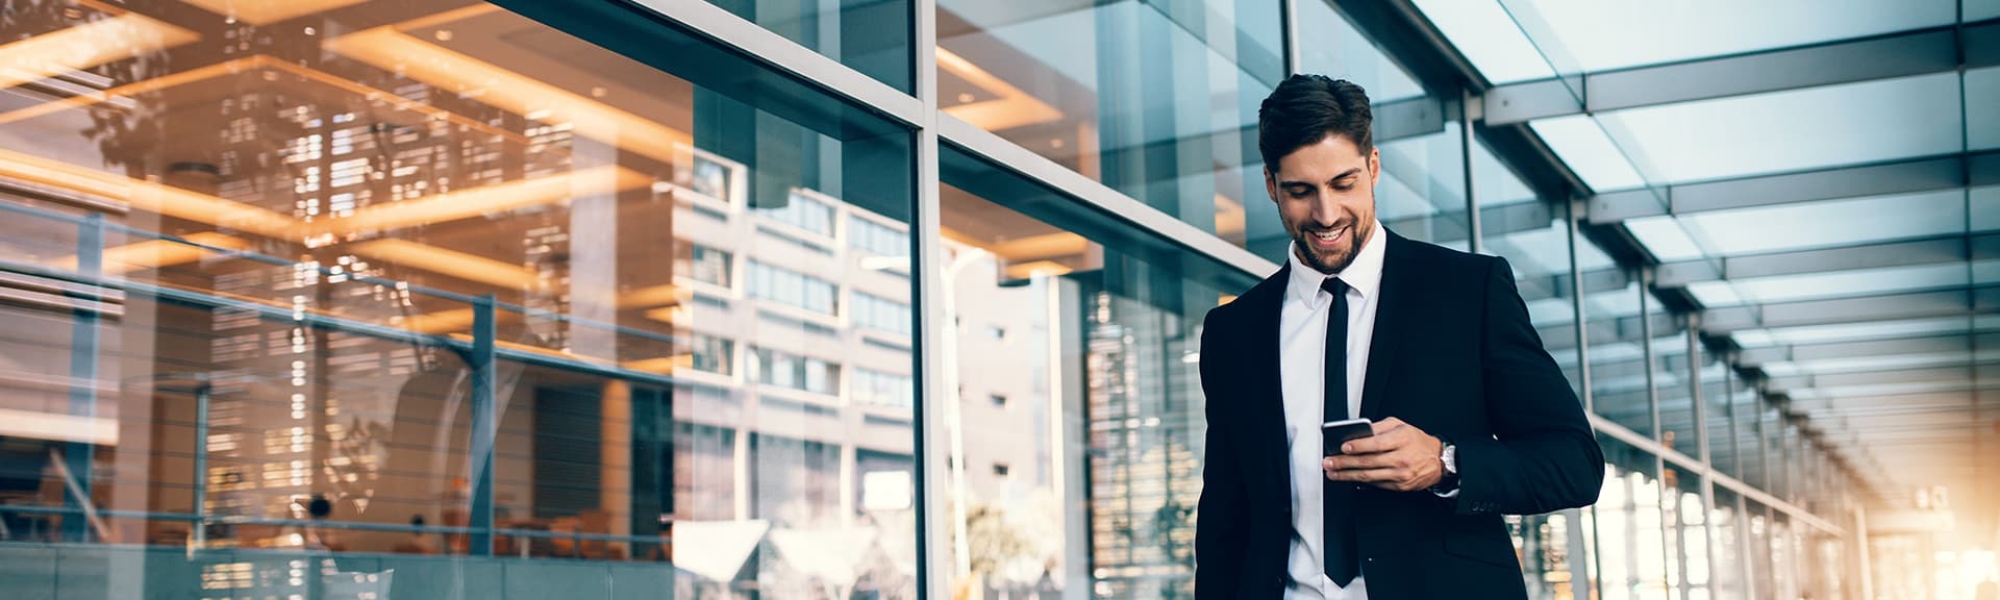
x=1325 y=211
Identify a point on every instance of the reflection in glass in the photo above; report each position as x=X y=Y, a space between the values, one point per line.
x=1156 y=100
x=1076 y=430
x=431 y=278
x=871 y=36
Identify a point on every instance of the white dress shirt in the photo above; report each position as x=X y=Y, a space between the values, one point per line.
x=1302 y=369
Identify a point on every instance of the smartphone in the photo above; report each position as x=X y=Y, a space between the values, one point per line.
x=1337 y=433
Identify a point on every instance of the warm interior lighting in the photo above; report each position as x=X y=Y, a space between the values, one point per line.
x=469 y=267
x=158 y=253
x=496 y=198
x=662 y=365
x=1229 y=217
x=671 y=315
x=1010 y=108
x=392 y=50
x=144 y=195
x=266 y=12
x=443 y=321
x=1041 y=246
x=245 y=66
x=1031 y=269
x=659 y=295
x=86 y=46
x=35 y=425
x=203 y=208
x=1050 y=245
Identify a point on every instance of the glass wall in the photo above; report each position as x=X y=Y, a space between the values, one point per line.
x=434 y=278
x=445 y=298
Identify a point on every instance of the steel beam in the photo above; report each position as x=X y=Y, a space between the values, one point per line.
x=1760 y=356
x=1965 y=302
x=1939 y=250
x=1918 y=175
x=1921 y=52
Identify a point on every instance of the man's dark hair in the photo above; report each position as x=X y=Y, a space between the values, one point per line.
x=1307 y=108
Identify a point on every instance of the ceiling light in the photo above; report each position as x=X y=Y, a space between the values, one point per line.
x=85 y=46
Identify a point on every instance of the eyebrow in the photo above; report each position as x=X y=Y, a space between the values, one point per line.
x=1343 y=175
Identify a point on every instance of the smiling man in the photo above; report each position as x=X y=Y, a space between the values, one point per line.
x=1471 y=419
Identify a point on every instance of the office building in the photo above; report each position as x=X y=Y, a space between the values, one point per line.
x=903 y=298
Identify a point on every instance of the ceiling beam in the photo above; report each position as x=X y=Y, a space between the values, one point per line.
x=1920 y=52
x=1938 y=250
x=1939 y=344
x=1962 y=302
x=1909 y=176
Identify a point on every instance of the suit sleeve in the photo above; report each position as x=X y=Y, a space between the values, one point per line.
x=1218 y=532
x=1543 y=455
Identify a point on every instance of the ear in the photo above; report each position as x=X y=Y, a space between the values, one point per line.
x=1374 y=165
x=1270 y=184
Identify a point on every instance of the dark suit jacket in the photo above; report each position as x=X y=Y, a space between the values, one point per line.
x=1453 y=354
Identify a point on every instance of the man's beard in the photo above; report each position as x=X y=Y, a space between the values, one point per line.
x=1308 y=255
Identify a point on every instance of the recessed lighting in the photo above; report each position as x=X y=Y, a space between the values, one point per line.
x=964 y=98
x=1056 y=143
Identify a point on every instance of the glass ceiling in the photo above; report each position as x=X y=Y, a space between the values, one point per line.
x=1791 y=178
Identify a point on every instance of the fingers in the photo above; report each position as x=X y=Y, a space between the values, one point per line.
x=1382 y=460
x=1389 y=435
x=1399 y=480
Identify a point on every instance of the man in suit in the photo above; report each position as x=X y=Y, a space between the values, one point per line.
x=1472 y=419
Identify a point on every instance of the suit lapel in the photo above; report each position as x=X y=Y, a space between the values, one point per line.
x=1389 y=328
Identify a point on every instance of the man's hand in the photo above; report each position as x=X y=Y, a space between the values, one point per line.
x=1399 y=457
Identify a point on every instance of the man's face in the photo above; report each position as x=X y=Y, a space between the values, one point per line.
x=1325 y=193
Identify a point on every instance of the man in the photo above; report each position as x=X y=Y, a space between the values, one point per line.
x=1472 y=419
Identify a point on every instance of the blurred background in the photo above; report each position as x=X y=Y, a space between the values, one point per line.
x=831 y=299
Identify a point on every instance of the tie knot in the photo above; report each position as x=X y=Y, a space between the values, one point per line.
x=1333 y=285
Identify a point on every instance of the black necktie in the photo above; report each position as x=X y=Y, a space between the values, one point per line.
x=1343 y=554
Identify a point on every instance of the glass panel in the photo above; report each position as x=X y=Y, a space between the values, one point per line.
x=1337 y=49
x=1763 y=578
x=1539 y=251
x=1599 y=36
x=1671 y=382
x=1788 y=131
x=1982 y=118
x=1075 y=438
x=1487 y=34
x=1688 y=565
x=1811 y=286
x=1826 y=224
x=1715 y=380
x=1617 y=358
x=1980 y=10
x=870 y=36
x=291 y=235
x=1584 y=146
x=1157 y=100
x=1421 y=194
x=1730 y=572
x=1547 y=544
x=1627 y=520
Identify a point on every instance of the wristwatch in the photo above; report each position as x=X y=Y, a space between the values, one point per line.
x=1448 y=456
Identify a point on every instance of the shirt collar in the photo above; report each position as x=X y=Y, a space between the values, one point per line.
x=1364 y=275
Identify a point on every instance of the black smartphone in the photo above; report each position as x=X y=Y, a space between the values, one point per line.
x=1337 y=433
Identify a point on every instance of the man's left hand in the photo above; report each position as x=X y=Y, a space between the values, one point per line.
x=1398 y=457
